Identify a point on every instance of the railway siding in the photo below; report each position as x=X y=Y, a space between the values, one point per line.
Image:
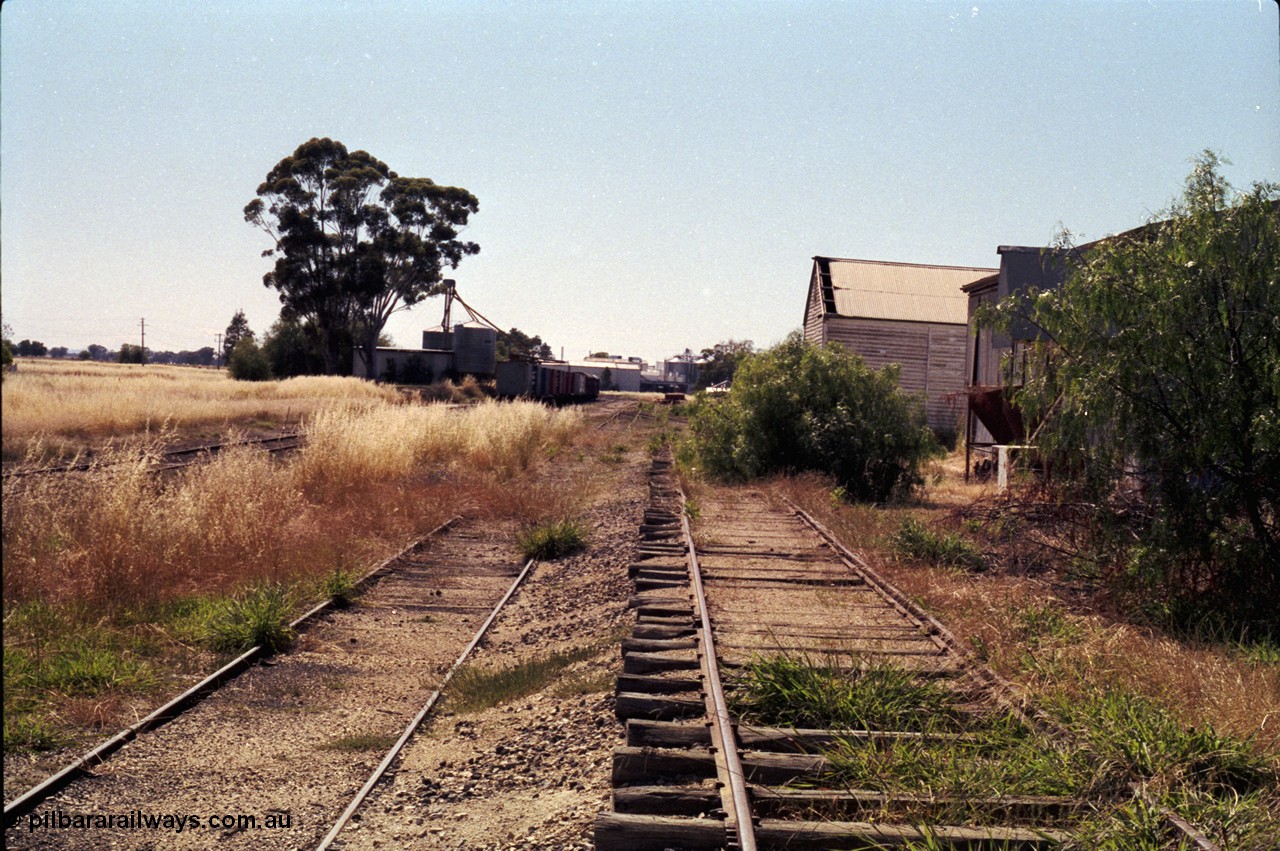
x=776 y=589
x=296 y=736
x=531 y=771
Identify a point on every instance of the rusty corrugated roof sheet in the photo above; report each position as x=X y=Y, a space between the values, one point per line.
x=914 y=292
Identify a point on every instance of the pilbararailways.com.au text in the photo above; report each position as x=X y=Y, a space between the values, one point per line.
x=173 y=822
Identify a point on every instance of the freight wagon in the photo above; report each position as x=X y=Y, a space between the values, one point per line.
x=550 y=381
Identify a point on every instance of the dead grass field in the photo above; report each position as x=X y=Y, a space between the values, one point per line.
x=62 y=406
x=106 y=572
x=118 y=535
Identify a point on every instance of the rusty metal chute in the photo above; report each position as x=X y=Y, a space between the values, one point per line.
x=992 y=405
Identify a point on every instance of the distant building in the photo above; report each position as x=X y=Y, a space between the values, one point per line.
x=469 y=349
x=911 y=314
x=623 y=374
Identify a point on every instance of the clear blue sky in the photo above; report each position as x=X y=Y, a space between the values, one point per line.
x=651 y=175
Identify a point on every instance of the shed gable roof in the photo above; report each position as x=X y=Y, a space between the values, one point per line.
x=913 y=292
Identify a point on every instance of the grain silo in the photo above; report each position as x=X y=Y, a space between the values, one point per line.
x=474 y=348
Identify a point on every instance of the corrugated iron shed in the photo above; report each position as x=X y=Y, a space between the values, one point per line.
x=909 y=292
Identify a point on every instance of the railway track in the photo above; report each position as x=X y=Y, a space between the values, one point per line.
x=174 y=459
x=293 y=739
x=766 y=591
x=623 y=414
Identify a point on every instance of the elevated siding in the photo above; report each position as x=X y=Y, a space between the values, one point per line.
x=930 y=357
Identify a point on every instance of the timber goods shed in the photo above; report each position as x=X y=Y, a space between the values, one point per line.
x=911 y=314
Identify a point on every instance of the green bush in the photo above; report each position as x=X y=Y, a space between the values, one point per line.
x=798 y=407
x=248 y=363
x=1156 y=383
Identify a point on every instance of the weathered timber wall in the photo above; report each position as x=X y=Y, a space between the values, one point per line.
x=931 y=357
x=813 y=310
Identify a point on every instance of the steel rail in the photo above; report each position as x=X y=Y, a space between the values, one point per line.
x=210 y=448
x=999 y=687
x=738 y=809
x=417 y=720
x=59 y=780
x=612 y=417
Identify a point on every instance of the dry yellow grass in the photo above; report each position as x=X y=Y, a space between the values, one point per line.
x=129 y=557
x=1051 y=641
x=350 y=444
x=117 y=535
x=70 y=399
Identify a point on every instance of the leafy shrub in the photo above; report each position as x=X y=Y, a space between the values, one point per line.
x=248 y=363
x=798 y=407
x=1156 y=382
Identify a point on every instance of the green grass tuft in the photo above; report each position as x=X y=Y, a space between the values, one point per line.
x=50 y=657
x=474 y=689
x=615 y=454
x=795 y=691
x=361 y=742
x=1145 y=742
x=256 y=617
x=916 y=540
x=1001 y=758
x=27 y=731
x=552 y=540
x=340 y=587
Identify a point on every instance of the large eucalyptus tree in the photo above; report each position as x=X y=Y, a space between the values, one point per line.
x=354 y=242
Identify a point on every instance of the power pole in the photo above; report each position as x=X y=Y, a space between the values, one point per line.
x=143 y=353
x=217 y=349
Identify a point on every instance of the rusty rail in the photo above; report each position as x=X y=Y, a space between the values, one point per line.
x=59 y=780
x=168 y=460
x=416 y=721
x=737 y=803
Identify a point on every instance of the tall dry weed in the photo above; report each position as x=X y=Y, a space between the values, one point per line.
x=120 y=535
x=71 y=399
x=377 y=442
x=76 y=538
